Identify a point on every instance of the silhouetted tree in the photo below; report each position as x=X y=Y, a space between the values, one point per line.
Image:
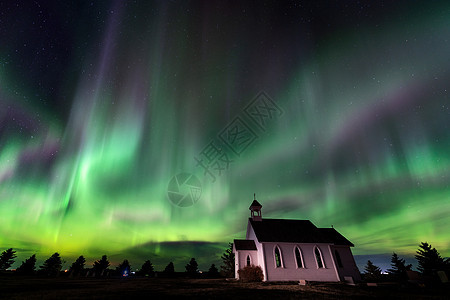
x=78 y=266
x=170 y=269
x=52 y=265
x=228 y=262
x=28 y=266
x=7 y=259
x=101 y=265
x=147 y=269
x=372 y=272
x=124 y=268
x=429 y=260
x=192 y=267
x=399 y=268
x=213 y=272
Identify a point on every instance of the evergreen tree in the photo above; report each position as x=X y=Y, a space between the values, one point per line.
x=169 y=268
x=147 y=269
x=213 y=272
x=372 y=272
x=228 y=262
x=429 y=260
x=28 y=266
x=192 y=267
x=101 y=265
x=7 y=259
x=78 y=266
x=52 y=265
x=124 y=268
x=399 y=268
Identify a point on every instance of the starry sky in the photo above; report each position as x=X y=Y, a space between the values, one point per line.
x=141 y=129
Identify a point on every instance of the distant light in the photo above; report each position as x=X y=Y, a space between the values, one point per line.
x=65 y=271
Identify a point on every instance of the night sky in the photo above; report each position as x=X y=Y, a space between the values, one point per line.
x=141 y=129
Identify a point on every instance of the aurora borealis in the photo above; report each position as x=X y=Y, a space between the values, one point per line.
x=103 y=103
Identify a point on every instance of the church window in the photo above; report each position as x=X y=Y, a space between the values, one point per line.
x=298 y=257
x=338 y=259
x=278 y=261
x=248 y=260
x=319 y=258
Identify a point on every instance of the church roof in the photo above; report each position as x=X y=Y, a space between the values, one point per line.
x=336 y=237
x=296 y=231
x=255 y=203
x=244 y=244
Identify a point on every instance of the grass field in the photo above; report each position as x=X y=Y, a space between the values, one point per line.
x=15 y=287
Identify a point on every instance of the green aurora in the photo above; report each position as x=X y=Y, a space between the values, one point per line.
x=362 y=142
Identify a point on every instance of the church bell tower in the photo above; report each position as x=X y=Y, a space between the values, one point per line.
x=255 y=209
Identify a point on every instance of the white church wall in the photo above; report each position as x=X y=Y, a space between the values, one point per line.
x=260 y=253
x=289 y=270
x=236 y=262
x=349 y=267
x=243 y=258
x=240 y=258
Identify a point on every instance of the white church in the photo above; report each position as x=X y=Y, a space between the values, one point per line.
x=294 y=250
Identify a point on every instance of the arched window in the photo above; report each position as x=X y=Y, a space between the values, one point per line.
x=298 y=257
x=319 y=258
x=248 y=260
x=338 y=259
x=278 y=261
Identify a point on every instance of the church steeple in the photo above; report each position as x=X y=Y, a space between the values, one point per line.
x=255 y=209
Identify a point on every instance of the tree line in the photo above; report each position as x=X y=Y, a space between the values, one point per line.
x=100 y=268
x=429 y=264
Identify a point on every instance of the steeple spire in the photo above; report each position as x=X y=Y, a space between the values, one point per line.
x=255 y=209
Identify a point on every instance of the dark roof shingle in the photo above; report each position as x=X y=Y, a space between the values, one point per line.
x=255 y=203
x=296 y=231
x=244 y=244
